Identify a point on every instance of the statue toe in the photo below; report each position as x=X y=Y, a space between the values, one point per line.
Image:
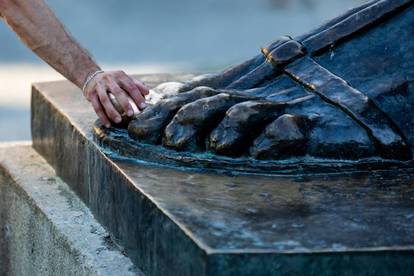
x=285 y=137
x=195 y=120
x=340 y=140
x=241 y=124
x=149 y=126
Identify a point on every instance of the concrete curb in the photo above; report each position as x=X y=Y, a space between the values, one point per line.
x=44 y=227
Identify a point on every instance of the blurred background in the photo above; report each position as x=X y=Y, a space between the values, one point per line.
x=154 y=36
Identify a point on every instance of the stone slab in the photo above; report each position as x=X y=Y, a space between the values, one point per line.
x=44 y=228
x=184 y=222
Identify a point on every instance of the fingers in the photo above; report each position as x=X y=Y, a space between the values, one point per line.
x=144 y=90
x=99 y=111
x=107 y=104
x=120 y=95
x=136 y=92
x=127 y=94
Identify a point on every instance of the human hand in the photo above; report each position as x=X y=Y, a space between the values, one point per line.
x=129 y=93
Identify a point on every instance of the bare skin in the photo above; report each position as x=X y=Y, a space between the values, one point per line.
x=38 y=27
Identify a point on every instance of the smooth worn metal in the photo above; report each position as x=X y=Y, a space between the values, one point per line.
x=336 y=99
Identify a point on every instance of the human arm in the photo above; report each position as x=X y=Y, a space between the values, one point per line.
x=37 y=26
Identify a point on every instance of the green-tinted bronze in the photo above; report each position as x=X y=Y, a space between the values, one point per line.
x=338 y=98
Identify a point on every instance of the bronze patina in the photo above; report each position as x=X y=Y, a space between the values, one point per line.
x=340 y=97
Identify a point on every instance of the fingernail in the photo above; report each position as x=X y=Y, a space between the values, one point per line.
x=143 y=105
x=130 y=113
x=107 y=125
x=118 y=120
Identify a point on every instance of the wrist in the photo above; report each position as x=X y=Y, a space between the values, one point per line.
x=85 y=74
x=89 y=79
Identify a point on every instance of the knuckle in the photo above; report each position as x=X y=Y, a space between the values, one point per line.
x=115 y=89
x=100 y=83
x=139 y=96
x=135 y=92
x=110 y=110
x=107 y=78
x=116 y=74
x=105 y=100
x=130 y=87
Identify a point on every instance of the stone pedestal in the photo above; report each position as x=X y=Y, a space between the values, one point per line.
x=184 y=222
x=44 y=228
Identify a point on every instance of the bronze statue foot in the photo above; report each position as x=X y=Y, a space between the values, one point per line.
x=341 y=92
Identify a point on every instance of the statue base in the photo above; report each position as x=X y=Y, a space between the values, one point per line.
x=179 y=221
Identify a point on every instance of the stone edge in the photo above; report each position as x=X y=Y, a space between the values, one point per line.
x=53 y=204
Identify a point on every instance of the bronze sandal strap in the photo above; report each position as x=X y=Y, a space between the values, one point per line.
x=358 y=21
x=286 y=50
x=335 y=91
x=336 y=20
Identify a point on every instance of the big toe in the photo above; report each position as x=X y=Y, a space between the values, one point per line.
x=164 y=90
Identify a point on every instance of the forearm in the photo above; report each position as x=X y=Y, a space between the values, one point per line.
x=41 y=31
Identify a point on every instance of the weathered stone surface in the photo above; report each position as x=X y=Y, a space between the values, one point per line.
x=185 y=222
x=44 y=228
